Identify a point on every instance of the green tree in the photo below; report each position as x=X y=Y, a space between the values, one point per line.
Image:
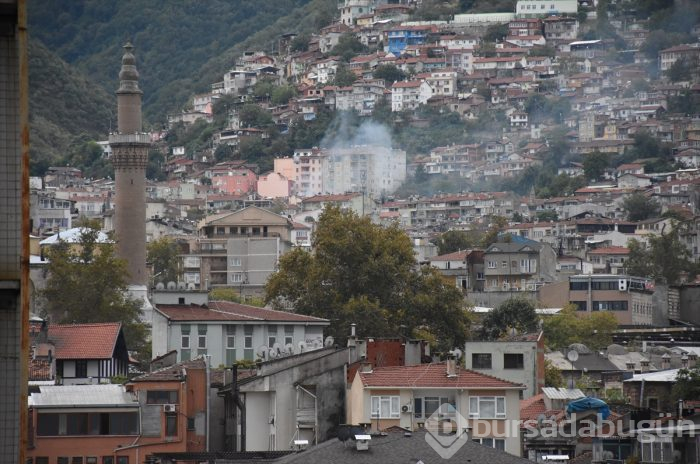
x=547 y=215
x=568 y=327
x=88 y=283
x=282 y=94
x=300 y=43
x=639 y=207
x=495 y=33
x=498 y=224
x=389 y=73
x=252 y=115
x=163 y=254
x=687 y=386
x=343 y=76
x=364 y=273
x=231 y=294
x=552 y=375
x=513 y=314
x=595 y=164
x=348 y=46
x=681 y=70
x=663 y=259
x=455 y=240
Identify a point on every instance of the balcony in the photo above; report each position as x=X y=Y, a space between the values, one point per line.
x=141 y=138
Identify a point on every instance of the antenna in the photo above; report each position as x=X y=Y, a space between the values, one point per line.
x=316 y=344
x=329 y=341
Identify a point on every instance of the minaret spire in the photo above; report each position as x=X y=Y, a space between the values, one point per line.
x=129 y=156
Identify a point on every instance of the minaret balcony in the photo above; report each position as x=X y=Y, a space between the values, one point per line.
x=141 y=138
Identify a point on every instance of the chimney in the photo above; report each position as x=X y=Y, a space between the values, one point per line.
x=451 y=366
x=644 y=365
x=352 y=339
x=630 y=365
x=684 y=361
x=366 y=367
x=665 y=362
x=362 y=442
x=692 y=360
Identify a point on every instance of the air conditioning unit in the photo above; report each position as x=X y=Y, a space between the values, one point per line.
x=168 y=408
x=407 y=408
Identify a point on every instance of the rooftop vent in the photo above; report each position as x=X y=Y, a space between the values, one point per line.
x=362 y=442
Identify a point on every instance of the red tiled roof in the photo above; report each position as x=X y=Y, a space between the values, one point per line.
x=431 y=376
x=228 y=311
x=406 y=84
x=335 y=197
x=532 y=407
x=85 y=341
x=457 y=255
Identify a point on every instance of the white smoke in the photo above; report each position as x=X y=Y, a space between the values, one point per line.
x=343 y=133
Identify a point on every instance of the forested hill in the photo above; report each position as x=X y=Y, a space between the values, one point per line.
x=181 y=46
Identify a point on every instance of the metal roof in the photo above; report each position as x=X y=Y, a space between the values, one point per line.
x=669 y=375
x=82 y=396
x=562 y=393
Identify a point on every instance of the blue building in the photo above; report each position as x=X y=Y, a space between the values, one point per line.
x=401 y=37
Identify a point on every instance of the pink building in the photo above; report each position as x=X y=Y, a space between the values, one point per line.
x=286 y=167
x=274 y=185
x=234 y=180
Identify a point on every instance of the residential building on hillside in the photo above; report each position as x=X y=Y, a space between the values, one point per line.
x=688 y=53
x=407 y=396
x=541 y=8
x=308 y=173
x=629 y=298
x=518 y=265
x=229 y=332
x=518 y=358
x=400 y=37
x=48 y=213
x=357 y=202
x=239 y=249
x=464 y=269
x=409 y=95
x=376 y=170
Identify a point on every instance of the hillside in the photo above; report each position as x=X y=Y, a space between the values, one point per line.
x=181 y=46
x=64 y=107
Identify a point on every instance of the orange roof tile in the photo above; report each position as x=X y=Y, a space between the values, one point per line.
x=431 y=376
x=85 y=341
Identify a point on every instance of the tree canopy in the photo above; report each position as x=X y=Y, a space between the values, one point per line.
x=364 y=273
x=639 y=207
x=513 y=314
x=88 y=283
x=566 y=327
x=163 y=255
x=664 y=258
x=456 y=240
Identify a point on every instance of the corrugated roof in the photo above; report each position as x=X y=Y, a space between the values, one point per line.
x=228 y=311
x=85 y=341
x=669 y=375
x=431 y=376
x=562 y=393
x=82 y=395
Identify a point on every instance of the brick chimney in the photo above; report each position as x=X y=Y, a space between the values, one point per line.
x=451 y=366
x=684 y=361
x=630 y=365
x=665 y=362
x=644 y=365
x=692 y=360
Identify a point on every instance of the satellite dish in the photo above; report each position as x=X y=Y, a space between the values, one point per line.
x=172 y=285
x=272 y=353
x=572 y=355
x=160 y=286
x=181 y=286
x=262 y=351
x=457 y=353
x=302 y=347
x=289 y=348
x=329 y=341
x=316 y=344
x=277 y=348
x=190 y=286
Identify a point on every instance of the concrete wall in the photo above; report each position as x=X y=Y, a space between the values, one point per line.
x=689 y=297
x=526 y=376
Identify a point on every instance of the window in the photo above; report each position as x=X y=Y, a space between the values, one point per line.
x=487 y=407
x=498 y=443
x=171 y=425
x=504 y=264
x=385 y=407
x=230 y=344
x=81 y=368
x=190 y=423
x=481 y=360
x=609 y=285
x=513 y=361
x=62 y=460
x=609 y=306
x=237 y=277
x=91 y=460
x=235 y=262
x=122 y=459
x=426 y=406
x=41 y=460
x=81 y=424
x=77 y=460
x=161 y=397
x=107 y=460
x=248 y=342
x=479 y=276
x=288 y=334
x=492 y=264
x=658 y=450
x=271 y=335
x=580 y=305
x=185 y=336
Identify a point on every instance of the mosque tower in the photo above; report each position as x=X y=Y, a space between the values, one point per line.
x=129 y=157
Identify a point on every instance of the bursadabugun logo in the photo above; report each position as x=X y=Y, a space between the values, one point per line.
x=443 y=433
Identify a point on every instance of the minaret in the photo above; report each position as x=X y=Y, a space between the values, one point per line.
x=129 y=156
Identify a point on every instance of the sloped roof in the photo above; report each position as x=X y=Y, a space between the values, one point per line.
x=85 y=341
x=398 y=447
x=73 y=235
x=531 y=408
x=611 y=250
x=229 y=311
x=175 y=373
x=431 y=376
x=83 y=395
x=668 y=375
x=455 y=256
